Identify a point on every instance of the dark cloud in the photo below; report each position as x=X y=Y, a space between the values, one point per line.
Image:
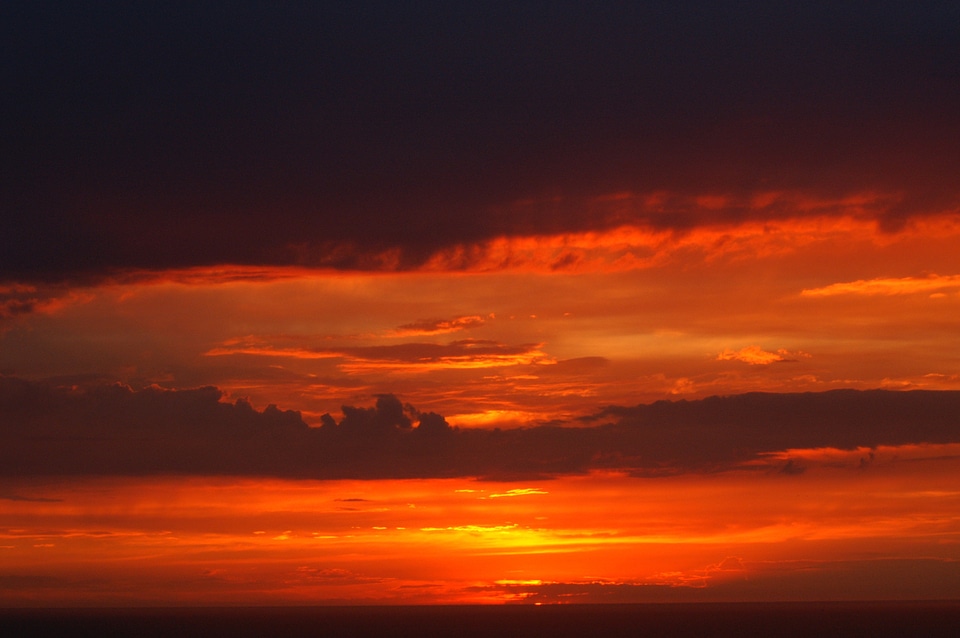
x=20 y=299
x=152 y=136
x=841 y=580
x=792 y=466
x=29 y=499
x=47 y=430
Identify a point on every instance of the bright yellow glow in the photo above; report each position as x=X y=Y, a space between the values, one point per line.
x=210 y=540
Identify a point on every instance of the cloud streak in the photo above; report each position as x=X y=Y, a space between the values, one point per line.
x=438 y=326
x=886 y=286
x=464 y=353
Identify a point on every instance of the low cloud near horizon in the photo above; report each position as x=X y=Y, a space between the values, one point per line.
x=115 y=430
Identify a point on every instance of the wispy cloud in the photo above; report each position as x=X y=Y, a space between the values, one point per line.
x=438 y=326
x=887 y=286
x=464 y=353
x=21 y=299
x=521 y=491
x=652 y=230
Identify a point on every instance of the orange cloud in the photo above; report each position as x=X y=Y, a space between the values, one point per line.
x=520 y=491
x=465 y=354
x=861 y=457
x=638 y=244
x=887 y=286
x=437 y=326
x=755 y=355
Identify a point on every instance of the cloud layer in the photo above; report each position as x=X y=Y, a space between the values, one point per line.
x=113 y=430
x=376 y=136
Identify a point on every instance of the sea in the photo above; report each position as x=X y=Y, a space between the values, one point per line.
x=809 y=619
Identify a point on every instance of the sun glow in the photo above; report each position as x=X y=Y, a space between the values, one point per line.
x=460 y=540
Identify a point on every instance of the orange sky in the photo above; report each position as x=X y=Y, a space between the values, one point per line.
x=787 y=307
x=352 y=303
x=790 y=306
x=835 y=532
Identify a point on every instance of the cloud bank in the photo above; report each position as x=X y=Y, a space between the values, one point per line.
x=374 y=137
x=114 y=430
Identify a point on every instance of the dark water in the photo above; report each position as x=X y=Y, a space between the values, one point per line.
x=722 y=619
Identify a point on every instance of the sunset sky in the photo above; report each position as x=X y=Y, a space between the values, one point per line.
x=312 y=303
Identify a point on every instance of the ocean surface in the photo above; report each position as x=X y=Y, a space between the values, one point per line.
x=871 y=619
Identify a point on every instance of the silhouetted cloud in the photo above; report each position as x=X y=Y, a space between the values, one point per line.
x=49 y=430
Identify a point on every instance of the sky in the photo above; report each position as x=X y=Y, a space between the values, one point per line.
x=360 y=303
